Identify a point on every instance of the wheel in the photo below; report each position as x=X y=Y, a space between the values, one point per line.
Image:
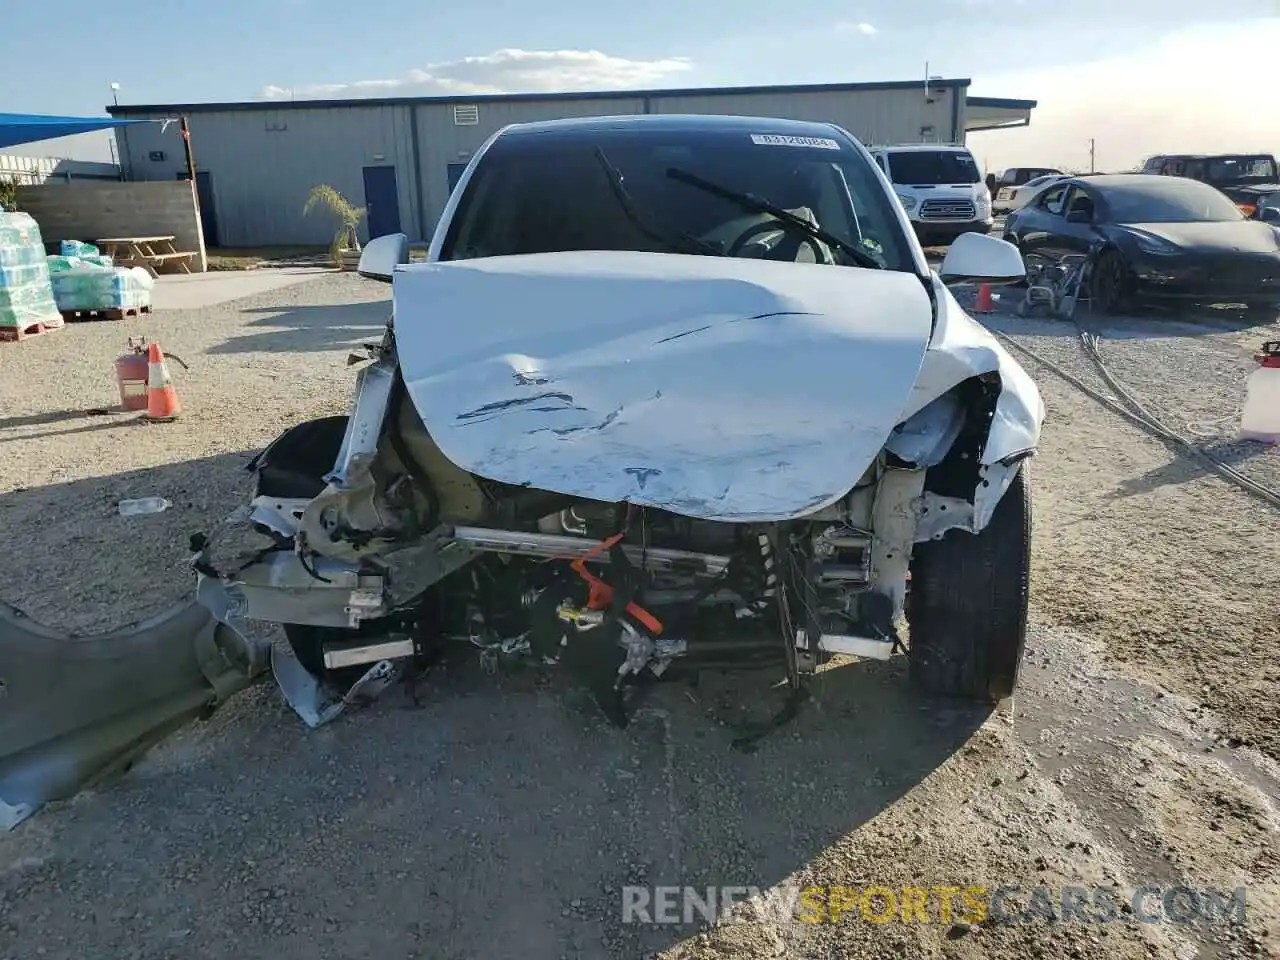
x=968 y=603
x=1109 y=286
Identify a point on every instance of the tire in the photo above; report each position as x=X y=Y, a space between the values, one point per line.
x=968 y=603
x=1109 y=283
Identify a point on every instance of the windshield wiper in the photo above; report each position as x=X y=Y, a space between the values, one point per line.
x=754 y=204
x=681 y=242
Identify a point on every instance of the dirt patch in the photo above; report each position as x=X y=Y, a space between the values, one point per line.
x=1168 y=565
x=257 y=366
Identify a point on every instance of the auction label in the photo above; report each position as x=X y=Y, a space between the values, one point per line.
x=776 y=140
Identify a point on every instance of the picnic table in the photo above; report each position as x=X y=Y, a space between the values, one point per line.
x=150 y=253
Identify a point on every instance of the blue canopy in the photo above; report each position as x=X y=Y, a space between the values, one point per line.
x=18 y=128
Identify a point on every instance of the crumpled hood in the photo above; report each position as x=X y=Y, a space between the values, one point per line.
x=713 y=387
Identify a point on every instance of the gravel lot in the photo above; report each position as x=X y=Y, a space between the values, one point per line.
x=258 y=365
x=499 y=817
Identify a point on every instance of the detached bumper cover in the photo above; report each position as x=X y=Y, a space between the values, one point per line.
x=76 y=710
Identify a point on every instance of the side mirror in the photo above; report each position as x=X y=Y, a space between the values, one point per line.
x=381 y=257
x=976 y=256
x=1080 y=216
x=1269 y=214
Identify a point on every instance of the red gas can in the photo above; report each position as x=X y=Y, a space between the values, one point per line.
x=131 y=375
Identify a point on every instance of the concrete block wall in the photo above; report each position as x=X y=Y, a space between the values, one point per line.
x=87 y=211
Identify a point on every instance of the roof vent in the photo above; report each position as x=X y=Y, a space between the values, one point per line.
x=466 y=115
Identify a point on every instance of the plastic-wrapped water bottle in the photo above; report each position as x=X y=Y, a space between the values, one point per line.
x=136 y=508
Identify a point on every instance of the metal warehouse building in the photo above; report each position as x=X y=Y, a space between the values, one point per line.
x=256 y=162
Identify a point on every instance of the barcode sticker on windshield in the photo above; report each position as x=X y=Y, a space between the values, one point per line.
x=777 y=140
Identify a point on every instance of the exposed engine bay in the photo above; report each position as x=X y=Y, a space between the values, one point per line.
x=372 y=548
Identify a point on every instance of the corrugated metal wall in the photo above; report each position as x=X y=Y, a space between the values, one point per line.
x=873 y=116
x=264 y=162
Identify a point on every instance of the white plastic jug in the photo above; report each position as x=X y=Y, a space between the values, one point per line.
x=1261 y=417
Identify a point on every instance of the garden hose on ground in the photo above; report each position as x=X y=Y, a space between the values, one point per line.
x=1133 y=410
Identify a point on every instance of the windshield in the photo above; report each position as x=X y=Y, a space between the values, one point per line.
x=1169 y=200
x=1223 y=169
x=549 y=192
x=911 y=167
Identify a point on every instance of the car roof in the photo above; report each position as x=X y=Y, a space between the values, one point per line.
x=1124 y=179
x=1121 y=181
x=674 y=122
x=934 y=147
x=1208 y=156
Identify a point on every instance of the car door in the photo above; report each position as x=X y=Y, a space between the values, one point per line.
x=1080 y=212
x=1035 y=226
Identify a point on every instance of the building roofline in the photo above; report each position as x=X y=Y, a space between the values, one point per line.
x=153 y=108
x=1001 y=102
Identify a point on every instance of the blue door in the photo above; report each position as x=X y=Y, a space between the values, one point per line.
x=455 y=172
x=381 y=200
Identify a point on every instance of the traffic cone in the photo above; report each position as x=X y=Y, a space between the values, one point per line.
x=162 y=398
x=986 y=303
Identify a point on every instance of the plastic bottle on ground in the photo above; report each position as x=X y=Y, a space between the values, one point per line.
x=135 y=508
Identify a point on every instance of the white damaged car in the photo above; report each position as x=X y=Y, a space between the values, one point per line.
x=670 y=392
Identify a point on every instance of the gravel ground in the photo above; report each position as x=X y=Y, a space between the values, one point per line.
x=498 y=816
x=1169 y=566
x=258 y=365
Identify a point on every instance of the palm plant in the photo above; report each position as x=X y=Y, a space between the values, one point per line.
x=9 y=193
x=349 y=217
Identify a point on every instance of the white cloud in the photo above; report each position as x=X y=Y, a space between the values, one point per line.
x=1190 y=90
x=866 y=29
x=504 y=71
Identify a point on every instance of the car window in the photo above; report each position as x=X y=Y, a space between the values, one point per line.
x=1028 y=175
x=1175 y=200
x=542 y=193
x=1241 y=168
x=1078 y=201
x=1053 y=199
x=933 y=167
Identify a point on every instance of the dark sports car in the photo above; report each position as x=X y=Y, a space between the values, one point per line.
x=1152 y=238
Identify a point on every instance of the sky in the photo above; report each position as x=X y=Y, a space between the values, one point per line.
x=1138 y=77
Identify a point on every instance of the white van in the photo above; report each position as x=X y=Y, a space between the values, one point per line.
x=940 y=187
